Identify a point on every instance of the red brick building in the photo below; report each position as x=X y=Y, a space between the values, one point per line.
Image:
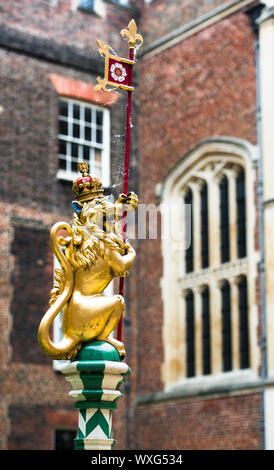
x=198 y=327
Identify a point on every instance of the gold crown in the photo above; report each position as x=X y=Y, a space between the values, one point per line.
x=86 y=187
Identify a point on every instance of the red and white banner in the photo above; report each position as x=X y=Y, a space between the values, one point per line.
x=118 y=71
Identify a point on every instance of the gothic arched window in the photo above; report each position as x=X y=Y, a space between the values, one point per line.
x=209 y=289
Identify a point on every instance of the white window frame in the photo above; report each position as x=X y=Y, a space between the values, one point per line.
x=104 y=147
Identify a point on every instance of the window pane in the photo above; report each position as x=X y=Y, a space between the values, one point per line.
x=76 y=111
x=74 y=167
x=206 y=331
x=63 y=108
x=86 y=5
x=243 y=312
x=88 y=133
x=204 y=227
x=224 y=220
x=189 y=252
x=62 y=164
x=226 y=327
x=241 y=215
x=99 y=118
x=98 y=156
x=74 y=150
x=86 y=151
x=190 y=338
x=87 y=114
x=99 y=136
x=76 y=131
x=62 y=147
x=63 y=127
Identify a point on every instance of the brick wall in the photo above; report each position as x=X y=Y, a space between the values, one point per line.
x=162 y=17
x=33 y=427
x=59 y=23
x=230 y=423
x=202 y=87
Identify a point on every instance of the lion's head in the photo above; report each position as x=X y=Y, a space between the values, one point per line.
x=100 y=211
x=95 y=231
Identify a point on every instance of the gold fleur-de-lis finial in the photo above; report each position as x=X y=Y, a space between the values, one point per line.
x=131 y=34
x=103 y=48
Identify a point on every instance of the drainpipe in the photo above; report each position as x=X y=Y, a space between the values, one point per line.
x=253 y=14
x=262 y=248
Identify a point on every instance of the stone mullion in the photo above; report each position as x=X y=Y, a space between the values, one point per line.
x=213 y=223
x=215 y=327
x=181 y=327
x=214 y=260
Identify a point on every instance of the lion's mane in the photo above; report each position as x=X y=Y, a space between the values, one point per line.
x=88 y=242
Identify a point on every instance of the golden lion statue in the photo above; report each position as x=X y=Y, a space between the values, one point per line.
x=94 y=254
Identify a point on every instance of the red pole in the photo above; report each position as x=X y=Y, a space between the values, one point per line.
x=125 y=188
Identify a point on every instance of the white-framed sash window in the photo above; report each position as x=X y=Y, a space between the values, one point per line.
x=83 y=135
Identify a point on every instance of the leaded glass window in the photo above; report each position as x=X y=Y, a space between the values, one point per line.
x=190 y=334
x=189 y=252
x=224 y=219
x=226 y=327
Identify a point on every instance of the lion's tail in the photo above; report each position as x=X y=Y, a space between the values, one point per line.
x=67 y=347
x=64 y=349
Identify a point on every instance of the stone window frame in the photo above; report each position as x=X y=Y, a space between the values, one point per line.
x=232 y=154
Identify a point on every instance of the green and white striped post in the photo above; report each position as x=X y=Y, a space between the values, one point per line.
x=96 y=376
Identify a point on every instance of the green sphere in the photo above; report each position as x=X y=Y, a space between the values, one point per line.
x=98 y=351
